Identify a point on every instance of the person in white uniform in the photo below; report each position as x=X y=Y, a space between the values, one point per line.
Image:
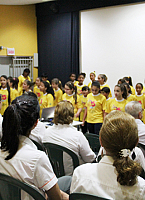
x=38 y=132
x=19 y=157
x=134 y=108
x=64 y=134
x=116 y=175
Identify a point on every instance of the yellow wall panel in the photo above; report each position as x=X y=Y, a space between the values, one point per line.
x=18 y=29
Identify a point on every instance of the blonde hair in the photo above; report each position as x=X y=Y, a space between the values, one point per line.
x=119 y=131
x=64 y=113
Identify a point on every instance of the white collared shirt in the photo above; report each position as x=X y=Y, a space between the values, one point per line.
x=141 y=131
x=101 y=179
x=38 y=132
x=29 y=165
x=68 y=136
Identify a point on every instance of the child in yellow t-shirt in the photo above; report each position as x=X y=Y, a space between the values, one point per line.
x=71 y=96
x=92 y=77
x=106 y=91
x=72 y=78
x=5 y=92
x=129 y=81
x=47 y=98
x=119 y=102
x=56 y=85
x=83 y=100
x=22 y=78
x=130 y=96
x=95 y=109
x=80 y=83
x=27 y=86
x=102 y=78
x=13 y=83
x=44 y=77
x=140 y=98
x=36 y=89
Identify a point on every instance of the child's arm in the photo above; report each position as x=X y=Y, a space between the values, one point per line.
x=78 y=112
x=85 y=115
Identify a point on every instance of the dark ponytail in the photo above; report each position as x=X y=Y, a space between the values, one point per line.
x=49 y=88
x=18 y=119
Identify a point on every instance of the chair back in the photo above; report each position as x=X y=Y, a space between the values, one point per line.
x=55 y=153
x=10 y=188
x=39 y=146
x=94 y=142
x=82 y=196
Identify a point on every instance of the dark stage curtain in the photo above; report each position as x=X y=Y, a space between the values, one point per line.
x=58 y=45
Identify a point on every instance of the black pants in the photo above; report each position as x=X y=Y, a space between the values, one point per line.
x=84 y=128
x=94 y=128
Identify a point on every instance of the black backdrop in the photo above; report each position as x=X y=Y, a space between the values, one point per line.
x=58 y=34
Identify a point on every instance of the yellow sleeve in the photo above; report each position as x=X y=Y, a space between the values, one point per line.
x=60 y=96
x=79 y=105
x=104 y=104
x=108 y=107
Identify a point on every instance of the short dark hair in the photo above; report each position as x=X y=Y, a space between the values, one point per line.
x=27 y=70
x=85 y=88
x=106 y=90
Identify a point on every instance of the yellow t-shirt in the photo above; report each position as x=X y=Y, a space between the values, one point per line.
x=141 y=99
x=37 y=91
x=115 y=104
x=131 y=97
x=95 y=107
x=21 y=81
x=106 y=85
x=75 y=83
x=14 y=93
x=4 y=93
x=46 y=101
x=58 y=96
x=71 y=99
x=132 y=90
x=83 y=101
x=90 y=84
x=79 y=89
x=108 y=101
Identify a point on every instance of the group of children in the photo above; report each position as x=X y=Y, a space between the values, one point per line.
x=91 y=102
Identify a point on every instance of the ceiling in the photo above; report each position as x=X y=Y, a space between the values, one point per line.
x=21 y=2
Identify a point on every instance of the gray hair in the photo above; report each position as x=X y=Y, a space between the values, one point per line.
x=133 y=108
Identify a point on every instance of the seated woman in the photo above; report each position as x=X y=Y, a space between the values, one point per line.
x=19 y=157
x=116 y=175
x=64 y=134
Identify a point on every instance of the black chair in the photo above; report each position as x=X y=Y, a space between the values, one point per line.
x=55 y=153
x=39 y=146
x=10 y=189
x=82 y=196
x=94 y=142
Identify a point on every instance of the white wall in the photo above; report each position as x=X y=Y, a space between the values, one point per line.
x=113 y=42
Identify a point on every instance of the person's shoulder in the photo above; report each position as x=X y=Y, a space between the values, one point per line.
x=102 y=96
x=89 y=95
x=85 y=168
